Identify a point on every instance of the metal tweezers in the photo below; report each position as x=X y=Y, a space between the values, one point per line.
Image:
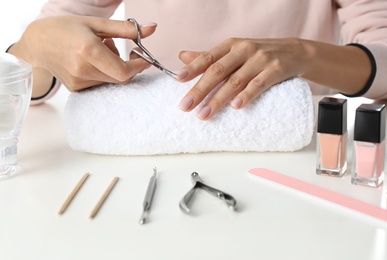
x=198 y=184
x=148 y=56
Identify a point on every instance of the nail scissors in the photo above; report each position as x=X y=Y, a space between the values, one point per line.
x=147 y=55
x=198 y=184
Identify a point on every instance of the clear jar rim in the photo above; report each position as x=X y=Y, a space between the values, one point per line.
x=13 y=69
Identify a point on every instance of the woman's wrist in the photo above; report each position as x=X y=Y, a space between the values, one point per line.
x=346 y=69
x=43 y=81
x=371 y=78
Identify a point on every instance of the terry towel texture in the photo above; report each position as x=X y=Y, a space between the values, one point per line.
x=143 y=118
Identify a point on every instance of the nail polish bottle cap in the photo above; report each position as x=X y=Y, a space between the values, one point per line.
x=332 y=116
x=370 y=123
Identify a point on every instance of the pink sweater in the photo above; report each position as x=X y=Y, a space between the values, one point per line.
x=201 y=24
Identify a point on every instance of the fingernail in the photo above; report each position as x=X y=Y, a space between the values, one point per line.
x=150 y=24
x=204 y=112
x=181 y=74
x=237 y=103
x=186 y=103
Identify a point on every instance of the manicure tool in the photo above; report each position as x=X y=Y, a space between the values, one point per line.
x=103 y=197
x=148 y=56
x=74 y=192
x=321 y=194
x=149 y=196
x=198 y=184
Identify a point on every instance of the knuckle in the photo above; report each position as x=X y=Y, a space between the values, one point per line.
x=197 y=93
x=216 y=103
x=235 y=82
x=247 y=46
x=258 y=83
x=207 y=57
x=277 y=66
x=264 y=56
x=248 y=95
x=216 y=69
x=86 y=49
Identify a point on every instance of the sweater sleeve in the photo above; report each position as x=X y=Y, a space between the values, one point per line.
x=365 y=22
x=99 y=8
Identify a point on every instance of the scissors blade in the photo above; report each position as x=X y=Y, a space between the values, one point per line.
x=148 y=55
x=155 y=63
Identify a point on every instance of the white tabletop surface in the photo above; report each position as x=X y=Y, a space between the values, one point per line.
x=271 y=223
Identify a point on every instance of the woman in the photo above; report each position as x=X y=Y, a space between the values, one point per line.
x=250 y=45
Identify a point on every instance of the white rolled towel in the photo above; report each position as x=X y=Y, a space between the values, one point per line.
x=143 y=118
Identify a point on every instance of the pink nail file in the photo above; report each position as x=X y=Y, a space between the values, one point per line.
x=322 y=193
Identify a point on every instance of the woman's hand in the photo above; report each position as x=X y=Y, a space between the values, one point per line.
x=248 y=67
x=79 y=51
x=245 y=67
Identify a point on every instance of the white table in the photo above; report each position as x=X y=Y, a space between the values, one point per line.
x=271 y=223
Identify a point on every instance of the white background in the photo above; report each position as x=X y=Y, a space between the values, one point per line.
x=15 y=16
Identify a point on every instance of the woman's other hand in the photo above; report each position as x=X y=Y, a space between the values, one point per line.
x=245 y=67
x=248 y=67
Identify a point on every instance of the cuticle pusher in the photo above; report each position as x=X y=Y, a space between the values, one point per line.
x=149 y=196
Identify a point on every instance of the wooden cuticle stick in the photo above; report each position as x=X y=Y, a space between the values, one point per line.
x=103 y=198
x=74 y=192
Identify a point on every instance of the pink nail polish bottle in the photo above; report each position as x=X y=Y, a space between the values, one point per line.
x=332 y=137
x=369 y=145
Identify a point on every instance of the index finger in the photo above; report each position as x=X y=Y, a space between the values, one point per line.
x=106 y=28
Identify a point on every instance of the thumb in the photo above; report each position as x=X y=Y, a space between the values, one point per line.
x=106 y=28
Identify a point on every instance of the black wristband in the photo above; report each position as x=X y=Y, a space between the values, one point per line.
x=10 y=46
x=373 y=71
x=48 y=92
